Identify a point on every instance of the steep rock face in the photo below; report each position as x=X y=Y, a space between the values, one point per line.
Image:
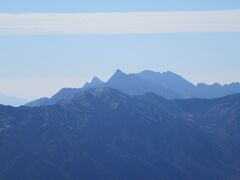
x=105 y=134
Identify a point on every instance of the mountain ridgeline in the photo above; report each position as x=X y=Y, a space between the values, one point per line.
x=168 y=85
x=105 y=134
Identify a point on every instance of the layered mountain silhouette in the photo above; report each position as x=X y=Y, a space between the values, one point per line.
x=168 y=85
x=102 y=133
x=13 y=101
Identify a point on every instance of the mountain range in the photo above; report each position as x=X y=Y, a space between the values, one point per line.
x=103 y=133
x=167 y=84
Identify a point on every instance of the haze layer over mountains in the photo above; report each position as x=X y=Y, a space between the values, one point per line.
x=167 y=84
x=13 y=101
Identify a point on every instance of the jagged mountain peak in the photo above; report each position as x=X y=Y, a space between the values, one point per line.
x=86 y=85
x=118 y=74
x=119 y=71
x=96 y=81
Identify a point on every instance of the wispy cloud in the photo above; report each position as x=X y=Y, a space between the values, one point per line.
x=119 y=23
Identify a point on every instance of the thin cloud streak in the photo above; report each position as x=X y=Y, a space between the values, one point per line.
x=119 y=23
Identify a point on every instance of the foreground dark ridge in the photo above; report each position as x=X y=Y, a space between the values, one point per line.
x=105 y=134
x=167 y=84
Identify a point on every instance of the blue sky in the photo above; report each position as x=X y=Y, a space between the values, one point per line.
x=114 y=5
x=33 y=66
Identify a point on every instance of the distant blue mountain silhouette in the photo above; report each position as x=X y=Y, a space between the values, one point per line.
x=13 y=101
x=95 y=82
x=167 y=84
x=170 y=81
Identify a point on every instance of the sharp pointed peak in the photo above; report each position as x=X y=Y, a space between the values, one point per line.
x=119 y=72
x=96 y=80
x=86 y=85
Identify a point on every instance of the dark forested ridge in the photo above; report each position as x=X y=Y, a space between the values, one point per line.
x=102 y=133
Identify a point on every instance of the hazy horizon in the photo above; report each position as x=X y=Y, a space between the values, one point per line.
x=57 y=84
x=50 y=45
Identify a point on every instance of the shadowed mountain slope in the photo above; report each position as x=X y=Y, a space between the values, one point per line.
x=103 y=133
